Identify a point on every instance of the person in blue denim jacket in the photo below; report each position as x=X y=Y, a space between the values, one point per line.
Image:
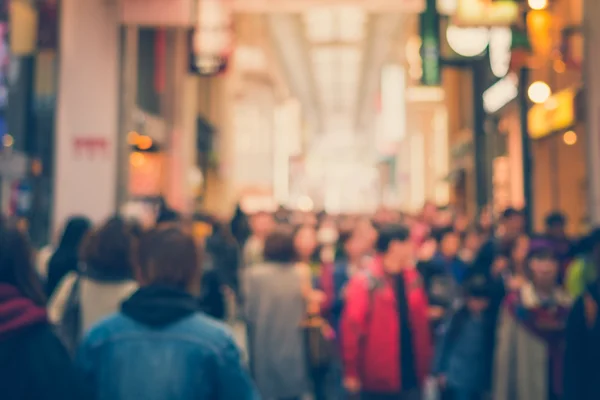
x=464 y=349
x=159 y=347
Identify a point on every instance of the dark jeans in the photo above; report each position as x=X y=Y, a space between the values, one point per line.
x=412 y=395
x=320 y=382
x=456 y=394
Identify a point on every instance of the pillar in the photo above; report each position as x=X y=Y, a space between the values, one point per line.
x=87 y=112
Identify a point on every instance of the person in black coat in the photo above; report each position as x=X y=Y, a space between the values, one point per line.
x=35 y=364
x=581 y=369
x=66 y=256
x=221 y=268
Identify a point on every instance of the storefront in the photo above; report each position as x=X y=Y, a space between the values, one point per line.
x=559 y=153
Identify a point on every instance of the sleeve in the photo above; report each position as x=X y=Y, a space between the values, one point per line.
x=233 y=380
x=505 y=343
x=575 y=353
x=326 y=284
x=85 y=362
x=248 y=296
x=353 y=323
x=574 y=281
x=53 y=375
x=58 y=301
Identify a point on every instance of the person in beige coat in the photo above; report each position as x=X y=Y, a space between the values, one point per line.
x=530 y=336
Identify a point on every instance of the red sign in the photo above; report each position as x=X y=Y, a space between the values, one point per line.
x=90 y=146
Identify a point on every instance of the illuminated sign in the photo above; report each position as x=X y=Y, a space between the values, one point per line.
x=557 y=113
x=500 y=94
x=486 y=13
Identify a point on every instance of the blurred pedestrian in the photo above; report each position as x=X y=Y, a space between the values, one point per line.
x=66 y=256
x=386 y=340
x=531 y=332
x=158 y=346
x=463 y=362
x=261 y=225
x=274 y=307
x=442 y=273
x=35 y=364
x=582 y=354
x=96 y=289
x=583 y=269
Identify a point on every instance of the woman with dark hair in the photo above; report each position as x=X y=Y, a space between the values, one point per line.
x=531 y=334
x=66 y=256
x=274 y=307
x=35 y=363
x=104 y=279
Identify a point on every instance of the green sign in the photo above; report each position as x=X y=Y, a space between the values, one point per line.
x=430 y=45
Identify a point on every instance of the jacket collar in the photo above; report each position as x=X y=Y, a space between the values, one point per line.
x=530 y=298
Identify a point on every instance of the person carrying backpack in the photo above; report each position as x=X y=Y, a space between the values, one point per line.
x=385 y=334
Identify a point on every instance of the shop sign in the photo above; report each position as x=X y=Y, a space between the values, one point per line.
x=501 y=93
x=557 y=113
x=486 y=13
x=430 y=48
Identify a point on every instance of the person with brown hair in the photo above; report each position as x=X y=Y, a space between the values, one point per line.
x=35 y=365
x=159 y=346
x=274 y=308
x=104 y=278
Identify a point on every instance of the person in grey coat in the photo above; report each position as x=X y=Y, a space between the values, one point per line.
x=274 y=309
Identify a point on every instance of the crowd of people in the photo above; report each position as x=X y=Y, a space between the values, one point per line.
x=384 y=306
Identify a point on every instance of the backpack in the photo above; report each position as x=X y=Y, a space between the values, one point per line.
x=69 y=328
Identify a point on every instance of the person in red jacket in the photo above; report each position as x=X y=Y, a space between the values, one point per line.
x=386 y=340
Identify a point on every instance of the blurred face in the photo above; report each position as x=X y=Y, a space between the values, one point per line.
x=472 y=242
x=521 y=249
x=477 y=305
x=354 y=247
x=544 y=271
x=305 y=242
x=557 y=231
x=328 y=233
x=262 y=224
x=485 y=219
x=514 y=226
x=450 y=244
x=398 y=256
x=367 y=233
x=461 y=223
x=443 y=219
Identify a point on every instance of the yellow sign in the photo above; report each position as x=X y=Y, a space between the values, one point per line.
x=557 y=113
x=486 y=13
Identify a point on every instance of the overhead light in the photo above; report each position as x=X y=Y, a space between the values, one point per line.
x=467 y=42
x=570 y=138
x=500 y=50
x=538 y=4
x=539 y=92
x=500 y=94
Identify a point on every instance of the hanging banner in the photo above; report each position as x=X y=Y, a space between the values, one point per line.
x=430 y=47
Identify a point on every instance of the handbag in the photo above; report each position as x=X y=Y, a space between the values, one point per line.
x=319 y=340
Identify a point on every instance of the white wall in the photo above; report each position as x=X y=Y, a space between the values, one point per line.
x=87 y=107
